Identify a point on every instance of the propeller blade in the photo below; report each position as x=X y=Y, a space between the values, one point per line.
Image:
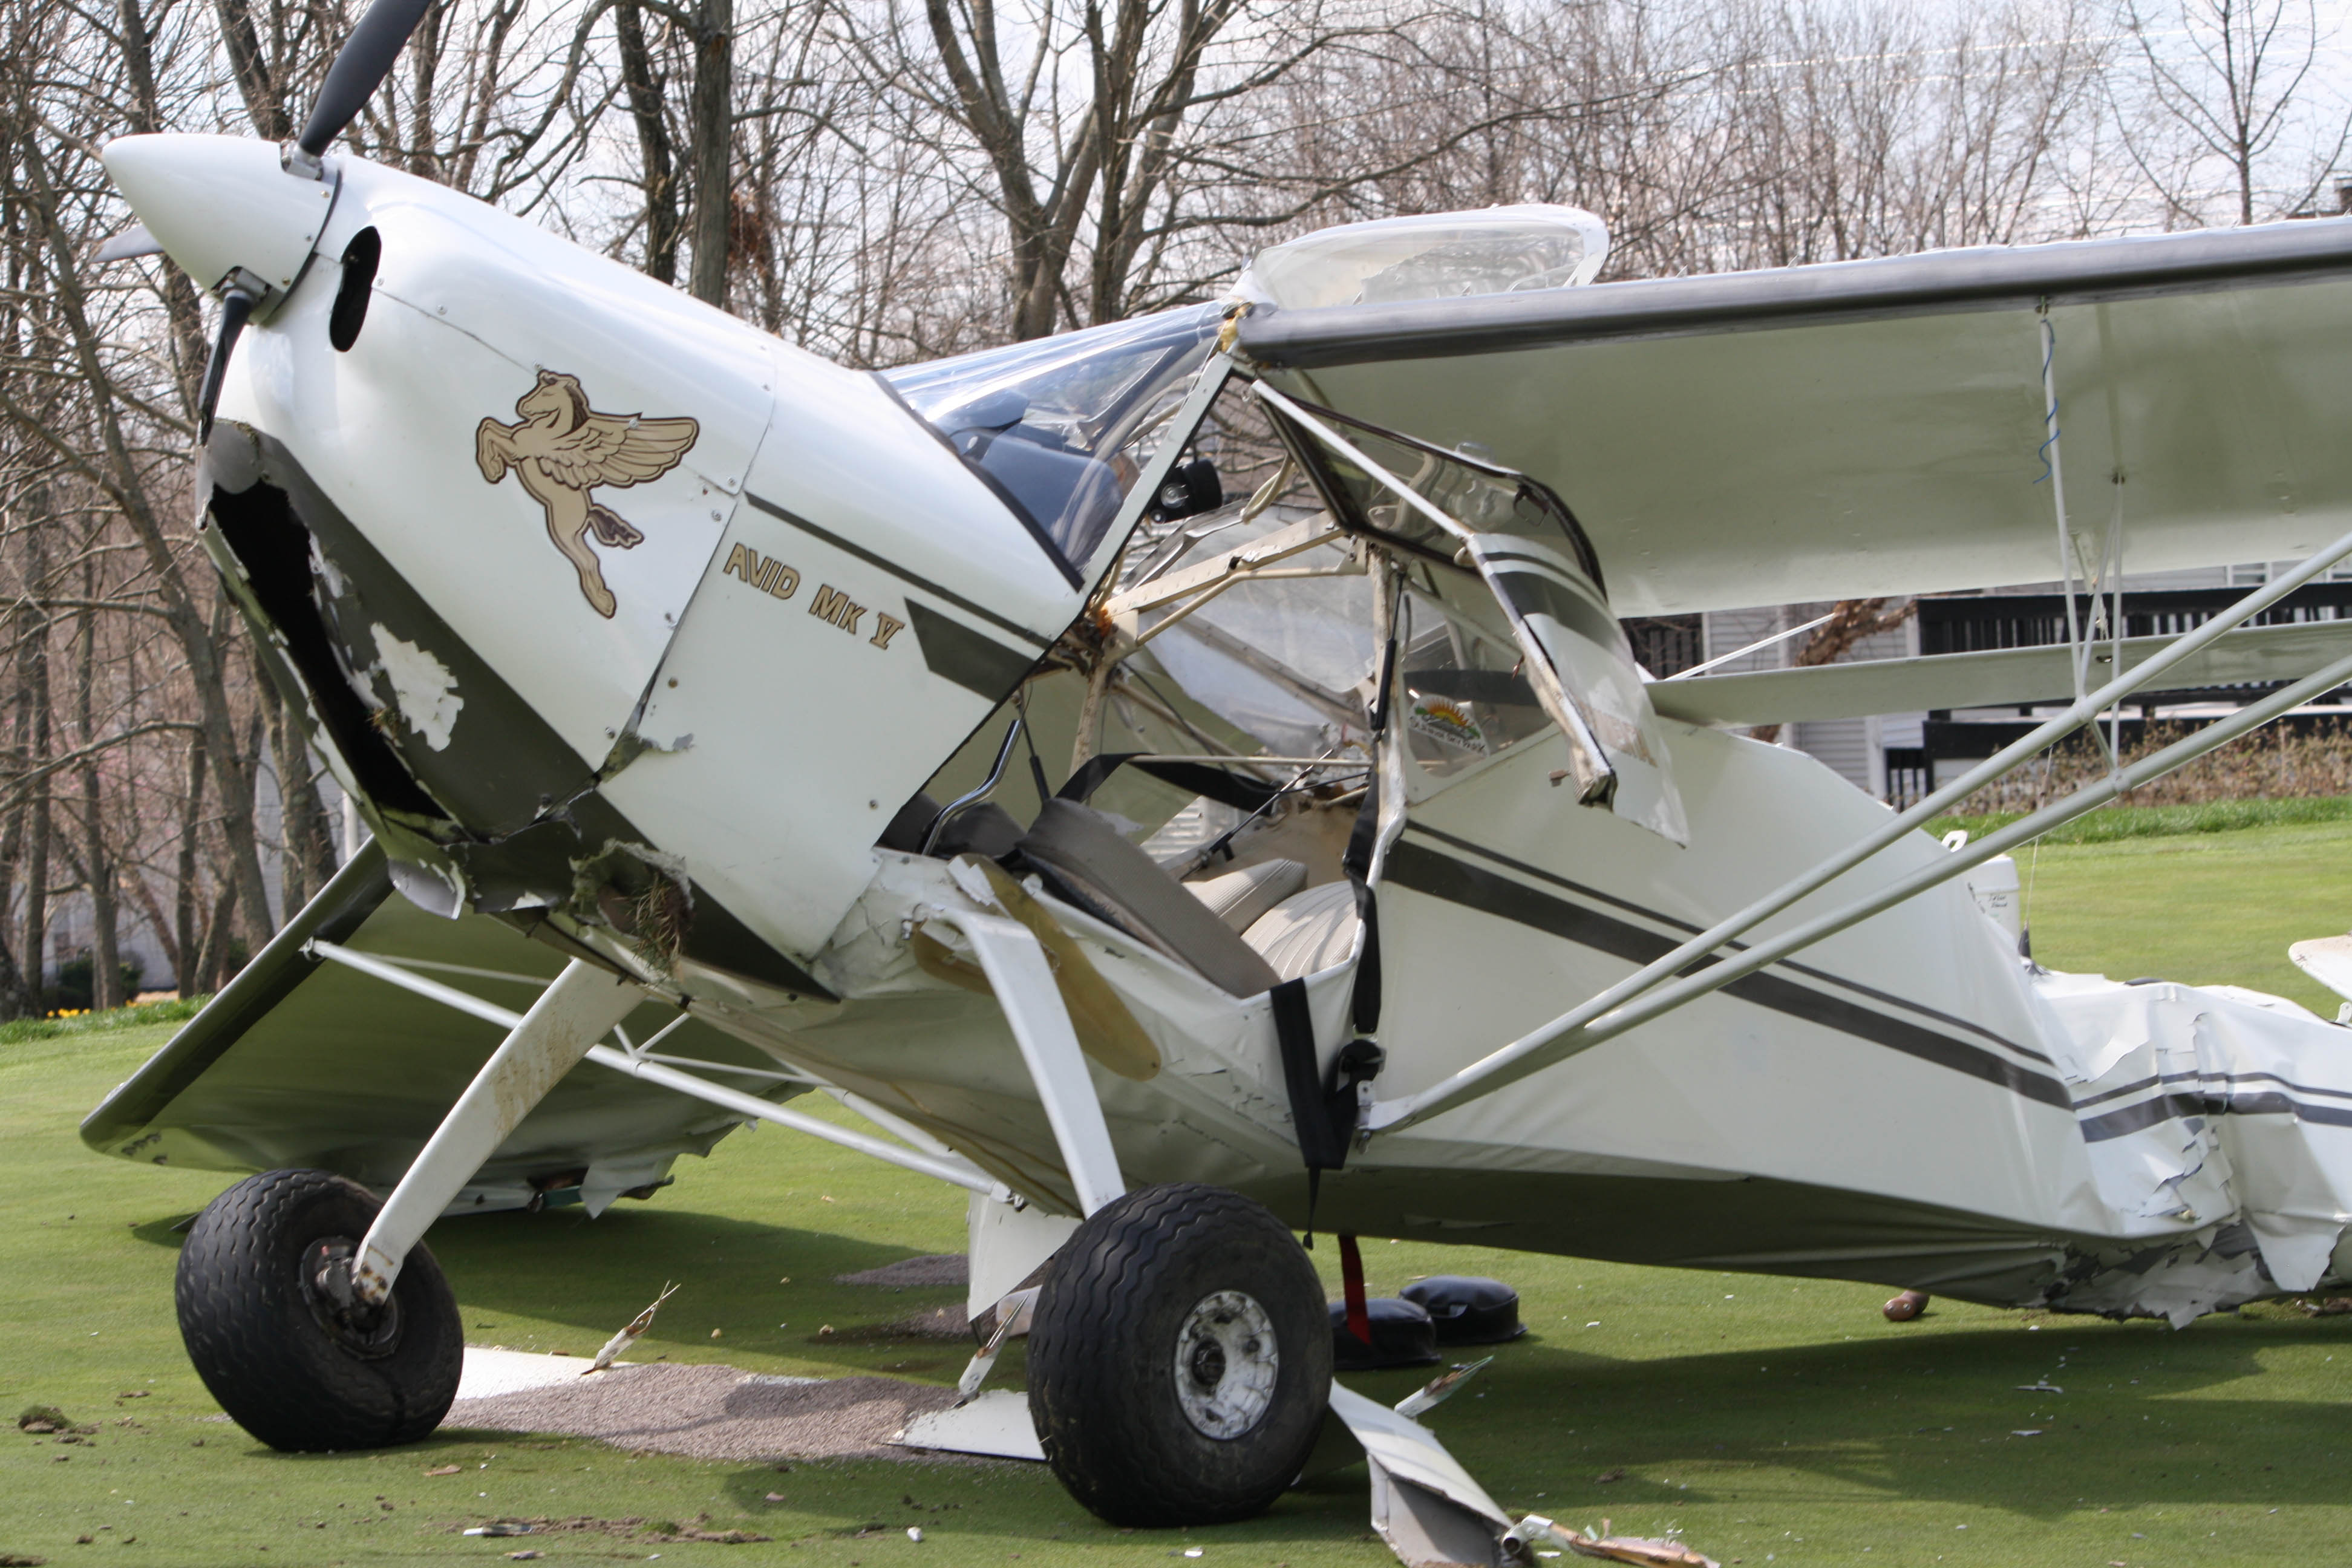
x=236 y=306
x=367 y=57
x=132 y=242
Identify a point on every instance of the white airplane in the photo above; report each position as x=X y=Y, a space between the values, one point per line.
x=1315 y=854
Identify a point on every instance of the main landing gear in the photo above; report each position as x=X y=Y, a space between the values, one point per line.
x=1180 y=1358
x=276 y=1332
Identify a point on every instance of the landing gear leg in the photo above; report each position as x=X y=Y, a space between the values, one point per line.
x=316 y=1316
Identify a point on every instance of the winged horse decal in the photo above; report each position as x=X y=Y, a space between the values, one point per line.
x=561 y=448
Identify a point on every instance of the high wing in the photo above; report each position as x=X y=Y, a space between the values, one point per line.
x=1876 y=428
x=303 y=1062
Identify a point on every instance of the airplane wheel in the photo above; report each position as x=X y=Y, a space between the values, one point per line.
x=1180 y=1358
x=290 y=1366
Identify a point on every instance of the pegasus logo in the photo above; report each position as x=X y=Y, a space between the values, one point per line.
x=561 y=448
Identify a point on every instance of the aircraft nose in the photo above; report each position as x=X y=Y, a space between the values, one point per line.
x=221 y=203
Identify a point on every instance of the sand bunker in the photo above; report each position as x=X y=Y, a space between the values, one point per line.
x=714 y=1412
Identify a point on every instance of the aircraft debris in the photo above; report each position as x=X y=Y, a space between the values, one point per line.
x=635 y=1330
x=43 y=1418
x=1643 y=1551
x=1467 y=1309
x=1441 y=1387
x=1905 y=1306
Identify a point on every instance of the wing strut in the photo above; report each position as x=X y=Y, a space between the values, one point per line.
x=946 y=1167
x=1592 y=1022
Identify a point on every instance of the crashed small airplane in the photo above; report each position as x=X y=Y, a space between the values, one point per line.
x=1185 y=781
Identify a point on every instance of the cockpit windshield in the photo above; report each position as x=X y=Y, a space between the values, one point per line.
x=1061 y=428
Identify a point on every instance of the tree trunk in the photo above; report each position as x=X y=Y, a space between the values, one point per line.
x=712 y=114
x=98 y=866
x=186 y=911
x=116 y=471
x=650 y=114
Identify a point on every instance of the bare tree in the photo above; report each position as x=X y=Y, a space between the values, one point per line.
x=2227 y=82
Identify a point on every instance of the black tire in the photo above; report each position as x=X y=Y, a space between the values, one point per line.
x=282 y=1360
x=1141 y=1279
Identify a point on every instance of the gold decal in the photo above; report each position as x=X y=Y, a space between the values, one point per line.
x=773 y=577
x=833 y=605
x=561 y=450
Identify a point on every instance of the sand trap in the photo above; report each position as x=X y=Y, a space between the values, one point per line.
x=701 y=1412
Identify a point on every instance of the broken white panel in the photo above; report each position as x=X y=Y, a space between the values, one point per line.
x=1425 y=1504
x=2327 y=960
x=995 y=1424
x=1007 y=1245
x=2215 y=1114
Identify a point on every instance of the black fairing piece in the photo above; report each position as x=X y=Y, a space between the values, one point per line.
x=1403 y=1335
x=1468 y=1308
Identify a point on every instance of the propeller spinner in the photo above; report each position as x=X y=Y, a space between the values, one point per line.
x=242 y=218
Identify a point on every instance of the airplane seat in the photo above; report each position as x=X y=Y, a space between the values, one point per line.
x=1086 y=862
x=1238 y=898
x=1306 y=932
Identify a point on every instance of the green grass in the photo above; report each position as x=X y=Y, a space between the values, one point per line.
x=17 y=1031
x=2109 y=824
x=1759 y=1416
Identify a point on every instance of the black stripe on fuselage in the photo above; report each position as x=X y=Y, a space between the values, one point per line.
x=892 y=567
x=1425 y=871
x=1900 y=1004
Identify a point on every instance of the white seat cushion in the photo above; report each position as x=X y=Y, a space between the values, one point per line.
x=1306 y=932
x=1239 y=898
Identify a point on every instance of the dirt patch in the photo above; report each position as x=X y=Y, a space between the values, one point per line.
x=939 y=1268
x=716 y=1413
x=938 y=1324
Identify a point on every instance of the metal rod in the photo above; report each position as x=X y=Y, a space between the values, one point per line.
x=393 y=974
x=951 y=1169
x=1756 y=647
x=1003 y=755
x=1460 y=1085
x=1570 y=1034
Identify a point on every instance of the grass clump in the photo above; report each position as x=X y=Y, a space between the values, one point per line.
x=18 y=1031
x=2110 y=824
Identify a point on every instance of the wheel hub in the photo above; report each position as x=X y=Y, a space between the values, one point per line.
x=1226 y=1365
x=326 y=1275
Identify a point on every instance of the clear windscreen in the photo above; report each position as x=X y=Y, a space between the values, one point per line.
x=1061 y=428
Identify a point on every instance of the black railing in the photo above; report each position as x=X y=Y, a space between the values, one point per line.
x=1666 y=644
x=1975 y=622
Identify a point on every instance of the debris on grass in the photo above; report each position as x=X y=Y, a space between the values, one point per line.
x=42 y=1418
x=20 y=1560
x=1640 y=1550
x=1613 y=1473
x=635 y=1330
x=444 y=1470
x=2328 y=1306
x=1905 y=1306
x=634 y=1527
